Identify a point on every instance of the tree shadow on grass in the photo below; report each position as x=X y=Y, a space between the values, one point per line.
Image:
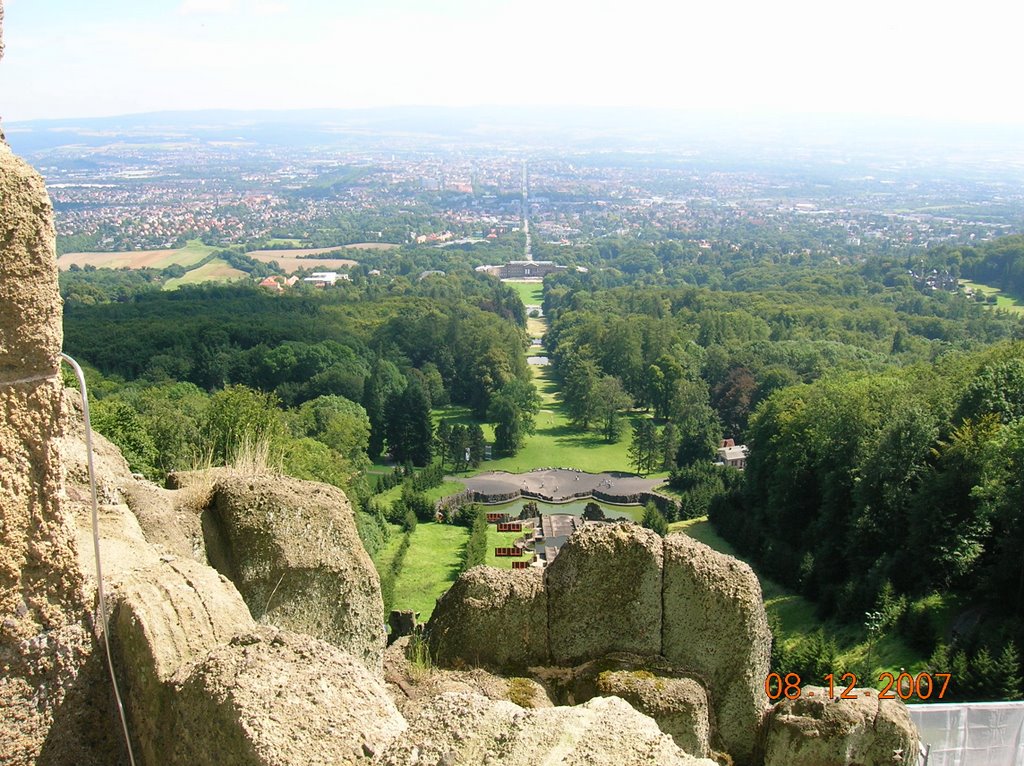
x=568 y=436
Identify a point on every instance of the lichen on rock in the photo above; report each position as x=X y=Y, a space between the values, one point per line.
x=819 y=730
x=715 y=625
x=492 y=618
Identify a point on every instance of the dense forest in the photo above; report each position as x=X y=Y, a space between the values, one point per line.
x=883 y=409
x=885 y=422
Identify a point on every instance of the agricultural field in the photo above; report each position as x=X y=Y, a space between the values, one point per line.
x=298 y=252
x=216 y=270
x=292 y=264
x=189 y=255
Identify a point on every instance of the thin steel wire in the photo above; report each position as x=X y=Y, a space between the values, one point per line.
x=96 y=550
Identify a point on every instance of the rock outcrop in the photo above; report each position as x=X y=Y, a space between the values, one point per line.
x=715 y=625
x=470 y=729
x=292 y=550
x=621 y=588
x=44 y=640
x=492 y=617
x=816 y=730
x=604 y=594
x=165 y=617
x=277 y=698
x=679 y=705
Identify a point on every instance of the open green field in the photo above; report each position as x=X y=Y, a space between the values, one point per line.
x=383 y=557
x=797 y=620
x=536 y=327
x=431 y=566
x=216 y=270
x=189 y=255
x=530 y=293
x=1003 y=301
x=555 y=443
x=446 y=488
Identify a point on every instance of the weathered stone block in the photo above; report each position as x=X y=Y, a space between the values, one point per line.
x=715 y=626
x=820 y=731
x=678 y=705
x=292 y=550
x=604 y=594
x=470 y=729
x=164 y=618
x=495 y=618
x=276 y=698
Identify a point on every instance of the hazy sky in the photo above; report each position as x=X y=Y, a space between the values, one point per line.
x=71 y=58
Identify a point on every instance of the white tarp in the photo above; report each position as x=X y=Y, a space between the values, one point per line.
x=972 y=734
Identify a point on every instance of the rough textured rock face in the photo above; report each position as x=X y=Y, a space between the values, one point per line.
x=679 y=705
x=43 y=641
x=715 y=625
x=292 y=550
x=678 y=607
x=604 y=594
x=165 y=617
x=818 y=731
x=275 y=698
x=492 y=618
x=470 y=729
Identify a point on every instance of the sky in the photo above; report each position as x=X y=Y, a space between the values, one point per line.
x=929 y=59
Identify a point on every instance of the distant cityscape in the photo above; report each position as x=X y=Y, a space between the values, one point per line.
x=128 y=195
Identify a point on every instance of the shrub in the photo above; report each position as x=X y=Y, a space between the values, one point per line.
x=475 y=552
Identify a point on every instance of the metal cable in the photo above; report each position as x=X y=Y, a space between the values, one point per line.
x=96 y=550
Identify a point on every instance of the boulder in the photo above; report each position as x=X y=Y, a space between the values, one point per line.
x=163 y=618
x=495 y=618
x=816 y=730
x=276 y=698
x=471 y=729
x=164 y=520
x=292 y=550
x=715 y=626
x=604 y=594
x=678 y=705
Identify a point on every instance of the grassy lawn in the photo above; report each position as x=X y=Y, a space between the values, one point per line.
x=555 y=442
x=497 y=539
x=383 y=558
x=1003 y=301
x=431 y=566
x=530 y=293
x=796 y=617
x=446 y=488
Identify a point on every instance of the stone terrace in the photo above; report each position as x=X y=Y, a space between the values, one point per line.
x=559 y=485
